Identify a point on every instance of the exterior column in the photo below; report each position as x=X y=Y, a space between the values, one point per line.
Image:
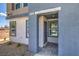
x=33 y=29
x=41 y=30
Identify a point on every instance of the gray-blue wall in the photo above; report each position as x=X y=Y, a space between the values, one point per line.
x=68 y=39
x=69 y=30
x=33 y=39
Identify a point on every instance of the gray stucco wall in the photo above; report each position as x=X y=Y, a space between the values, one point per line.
x=69 y=30
x=33 y=39
x=68 y=39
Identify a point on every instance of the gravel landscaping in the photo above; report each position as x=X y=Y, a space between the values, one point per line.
x=14 y=49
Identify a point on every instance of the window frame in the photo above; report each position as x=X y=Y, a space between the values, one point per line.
x=27 y=29
x=25 y=5
x=19 y=5
x=13 y=6
x=49 y=28
x=12 y=29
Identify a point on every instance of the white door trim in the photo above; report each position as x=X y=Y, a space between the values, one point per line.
x=46 y=11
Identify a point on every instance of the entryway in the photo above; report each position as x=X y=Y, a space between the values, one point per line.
x=48 y=34
x=50 y=49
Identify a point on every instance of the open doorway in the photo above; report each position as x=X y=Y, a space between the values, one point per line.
x=45 y=33
x=51 y=28
x=48 y=33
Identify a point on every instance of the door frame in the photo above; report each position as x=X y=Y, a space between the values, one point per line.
x=44 y=12
x=44 y=43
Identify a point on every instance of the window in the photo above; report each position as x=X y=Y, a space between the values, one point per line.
x=13 y=28
x=25 y=4
x=27 y=29
x=12 y=6
x=17 y=5
x=53 y=28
